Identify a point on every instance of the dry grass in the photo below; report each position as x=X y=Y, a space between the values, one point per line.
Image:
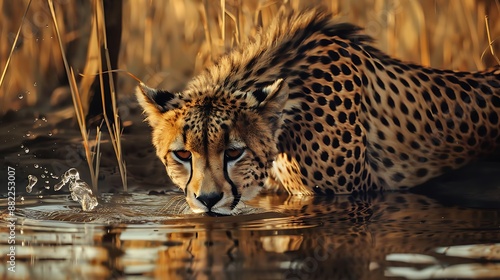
x=91 y=156
x=97 y=39
x=14 y=43
x=490 y=42
x=165 y=42
x=113 y=126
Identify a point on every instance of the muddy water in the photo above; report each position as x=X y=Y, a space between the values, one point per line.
x=141 y=236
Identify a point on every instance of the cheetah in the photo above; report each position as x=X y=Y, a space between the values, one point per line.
x=310 y=106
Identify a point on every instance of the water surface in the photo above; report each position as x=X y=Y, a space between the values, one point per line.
x=139 y=236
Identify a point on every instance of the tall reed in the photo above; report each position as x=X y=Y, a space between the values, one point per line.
x=77 y=103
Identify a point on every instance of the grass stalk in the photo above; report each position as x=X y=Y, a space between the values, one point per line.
x=114 y=129
x=97 y=155
x=490 y=42
x=223 y=22
x=206 y=28
x=4 y=72
x=77 y=103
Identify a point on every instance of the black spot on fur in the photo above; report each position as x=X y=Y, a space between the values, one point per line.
x=493 y=118
x=339 y=161
x=422 y=172
x=330 y=171
x=333 y=55
x=394 y=88
x=355 y=59
x=387 y=162
x=334 y=70
x=435 y=90
x=346 y=137
x=348 y=85
x=415 y=81
x=345 y=69
x=337 y=86
x=495 y=100
x=423 y=76
x=343 y=52
x=329 y=120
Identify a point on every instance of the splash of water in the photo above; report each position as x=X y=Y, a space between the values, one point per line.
x=32 y=179
x=80 y=190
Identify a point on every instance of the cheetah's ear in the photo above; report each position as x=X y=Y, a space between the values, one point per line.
x=155 y=102
x=270 y=98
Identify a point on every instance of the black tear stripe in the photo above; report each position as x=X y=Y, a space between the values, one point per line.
x=234 y=189
x=190 y=176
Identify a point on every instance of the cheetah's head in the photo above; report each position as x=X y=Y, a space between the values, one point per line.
x=217 y=146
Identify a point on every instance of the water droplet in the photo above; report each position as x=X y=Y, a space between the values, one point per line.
x=50 y=133
x=20 y=96
x=32 y=179
x=43 y=176
x=28 y=92
x=26 y=150
x=58 y=186
x=45 y=171
x=22 y=146
x=34 y=84
x=47 y=186
x=28 y=134
x=44 y=119
x=46 y=26
x=35 y=165
x=47 y=182
x=22 y=198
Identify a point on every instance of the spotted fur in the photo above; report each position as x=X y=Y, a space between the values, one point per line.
x=311 y=106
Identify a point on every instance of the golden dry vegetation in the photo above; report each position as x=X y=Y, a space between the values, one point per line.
x=166 y=42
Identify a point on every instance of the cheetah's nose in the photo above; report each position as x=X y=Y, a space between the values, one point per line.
x=209 y=199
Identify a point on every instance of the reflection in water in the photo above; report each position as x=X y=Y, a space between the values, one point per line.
x=136 y=236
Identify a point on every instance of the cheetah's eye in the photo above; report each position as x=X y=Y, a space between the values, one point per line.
x=182 y=155
x=233 y=154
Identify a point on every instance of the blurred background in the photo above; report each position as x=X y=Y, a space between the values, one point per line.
x=164 y=43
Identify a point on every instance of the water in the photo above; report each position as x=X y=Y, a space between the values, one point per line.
x=80 y=191
x=139 y=236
